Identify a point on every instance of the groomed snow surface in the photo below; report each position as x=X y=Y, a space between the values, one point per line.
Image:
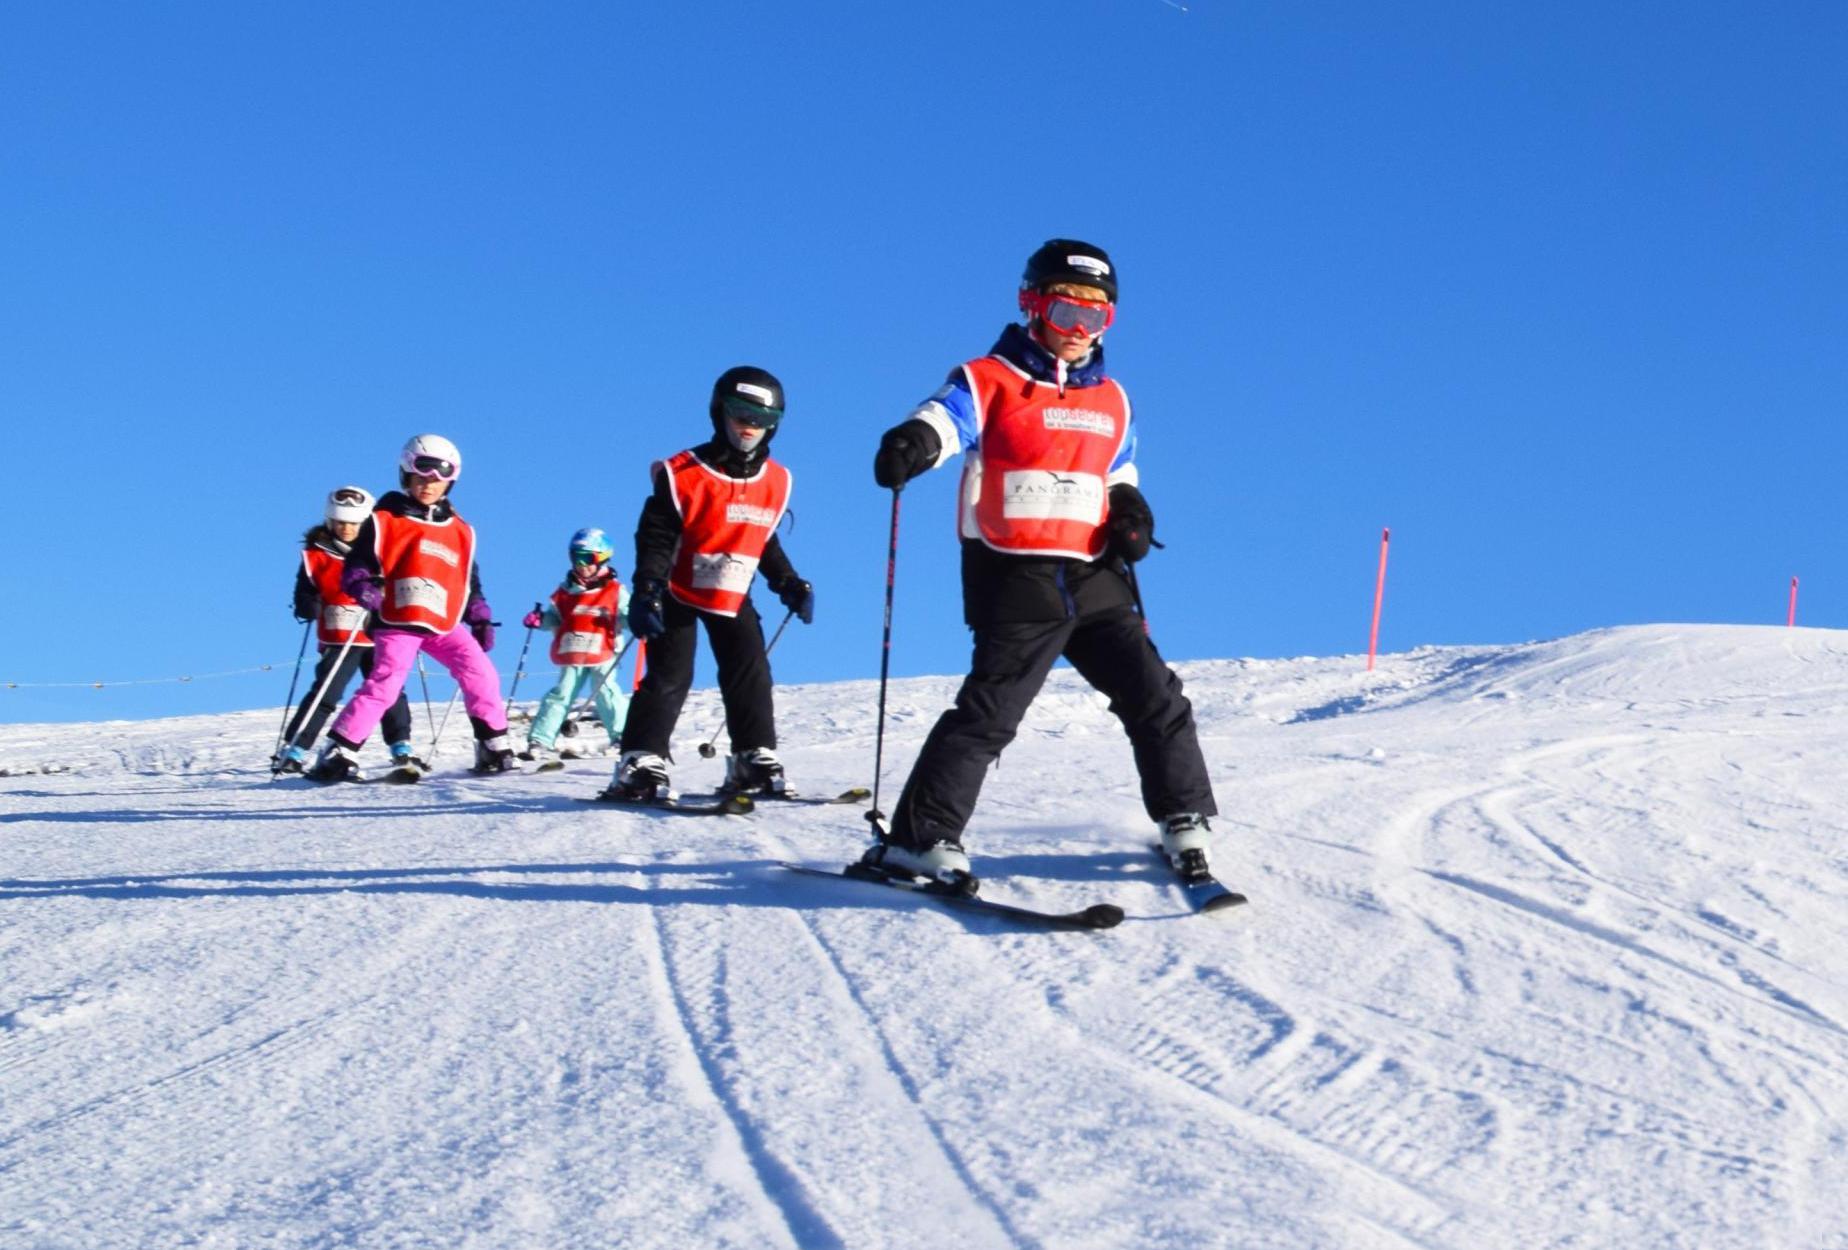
x=1548 y=947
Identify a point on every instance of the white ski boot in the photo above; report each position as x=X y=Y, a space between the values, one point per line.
x=945 y=863
x=756 y=771
x=1185 y=837
x=336 y=763
x=641 y=777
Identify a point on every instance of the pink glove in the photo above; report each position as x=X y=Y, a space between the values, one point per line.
x=533 y=619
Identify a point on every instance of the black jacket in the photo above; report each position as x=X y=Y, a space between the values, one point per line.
x=657 y=533
x=364 y=554
x=307 y=594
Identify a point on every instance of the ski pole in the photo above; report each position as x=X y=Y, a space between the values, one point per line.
x=876 y=816
x=706 y=749
x=578 y=710
x=283 y=729
x=447 y=709
x=519 y=667
x=1135 y=592
x=339 y=663
x=423 y=675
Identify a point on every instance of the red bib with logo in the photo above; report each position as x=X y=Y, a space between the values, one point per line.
x=341 y=616
x=1037 y=483
x=587 y=623
x=426 y=566
x=725 y=523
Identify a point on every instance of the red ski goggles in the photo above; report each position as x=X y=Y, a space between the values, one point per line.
x=434 y=466
x=1067 y=314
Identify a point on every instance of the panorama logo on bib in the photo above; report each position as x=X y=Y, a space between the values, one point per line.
x=722 y=571
x=1041 y=494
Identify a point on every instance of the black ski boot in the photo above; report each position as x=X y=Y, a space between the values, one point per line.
x=494 y=755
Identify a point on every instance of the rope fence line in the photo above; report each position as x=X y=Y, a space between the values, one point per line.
x=143 y=681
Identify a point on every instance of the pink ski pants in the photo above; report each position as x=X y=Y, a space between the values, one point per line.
x=393 y=656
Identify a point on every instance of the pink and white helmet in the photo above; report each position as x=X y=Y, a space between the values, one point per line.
x=431 y=455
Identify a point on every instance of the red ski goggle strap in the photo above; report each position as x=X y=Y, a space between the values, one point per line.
x=1068 y=314
x=434 y=466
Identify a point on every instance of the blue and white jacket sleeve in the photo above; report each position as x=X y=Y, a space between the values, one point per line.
x=951 y=413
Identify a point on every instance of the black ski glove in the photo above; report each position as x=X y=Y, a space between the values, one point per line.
x=907 y=450
x=799 y=597
x=647 y=609
x=1132 y=525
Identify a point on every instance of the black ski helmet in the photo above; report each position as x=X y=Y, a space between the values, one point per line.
x=1068 y=260
x=752 y=393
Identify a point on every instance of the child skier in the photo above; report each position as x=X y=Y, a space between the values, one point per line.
x=704 y=533
x=586 y=614
x=1050 y=519
x=338 y=618
x=412 y=566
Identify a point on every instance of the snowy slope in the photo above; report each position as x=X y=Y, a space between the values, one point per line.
x=1548 y=948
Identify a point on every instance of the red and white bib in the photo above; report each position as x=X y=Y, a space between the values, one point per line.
x=587 y=623
x=426 y=566
x=341 y=616
x=1038 y=481
x=725 y=523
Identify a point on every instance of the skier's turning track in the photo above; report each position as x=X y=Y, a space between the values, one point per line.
x=1545 y=948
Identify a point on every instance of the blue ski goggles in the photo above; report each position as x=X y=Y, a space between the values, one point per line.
x=744 y=412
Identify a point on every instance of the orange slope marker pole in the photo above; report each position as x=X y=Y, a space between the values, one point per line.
x=1379 y=598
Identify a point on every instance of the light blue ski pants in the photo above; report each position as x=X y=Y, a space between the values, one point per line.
x=574 y=682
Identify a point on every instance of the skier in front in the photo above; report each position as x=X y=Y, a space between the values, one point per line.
x=412 y=566
x=706 y=530
x=1050 y=518
x=338 y=621
x=586 y=620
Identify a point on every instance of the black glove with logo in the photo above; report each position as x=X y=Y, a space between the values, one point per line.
x=906 y=451
x=1132 y=525
x=799 y=597
x=647 y=610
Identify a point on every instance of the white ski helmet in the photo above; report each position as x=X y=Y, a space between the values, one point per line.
x=431 y=455
x=349 y=503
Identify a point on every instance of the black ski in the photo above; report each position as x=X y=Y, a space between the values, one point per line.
x=1206 y=894
x=403 y=775
x=736 y=805
x=859 y=794
x=1096 y=916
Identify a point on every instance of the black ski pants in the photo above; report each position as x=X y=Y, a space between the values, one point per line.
x=305 y=725
x=1110 y=650
x=744 y=679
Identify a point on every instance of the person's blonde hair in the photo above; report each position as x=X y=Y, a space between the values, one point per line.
x=1077 y=291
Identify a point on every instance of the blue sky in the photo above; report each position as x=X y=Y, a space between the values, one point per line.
x=1558 y=292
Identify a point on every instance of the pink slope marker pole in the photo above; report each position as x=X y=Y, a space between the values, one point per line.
x=1379 y=598
x=1791 y=620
